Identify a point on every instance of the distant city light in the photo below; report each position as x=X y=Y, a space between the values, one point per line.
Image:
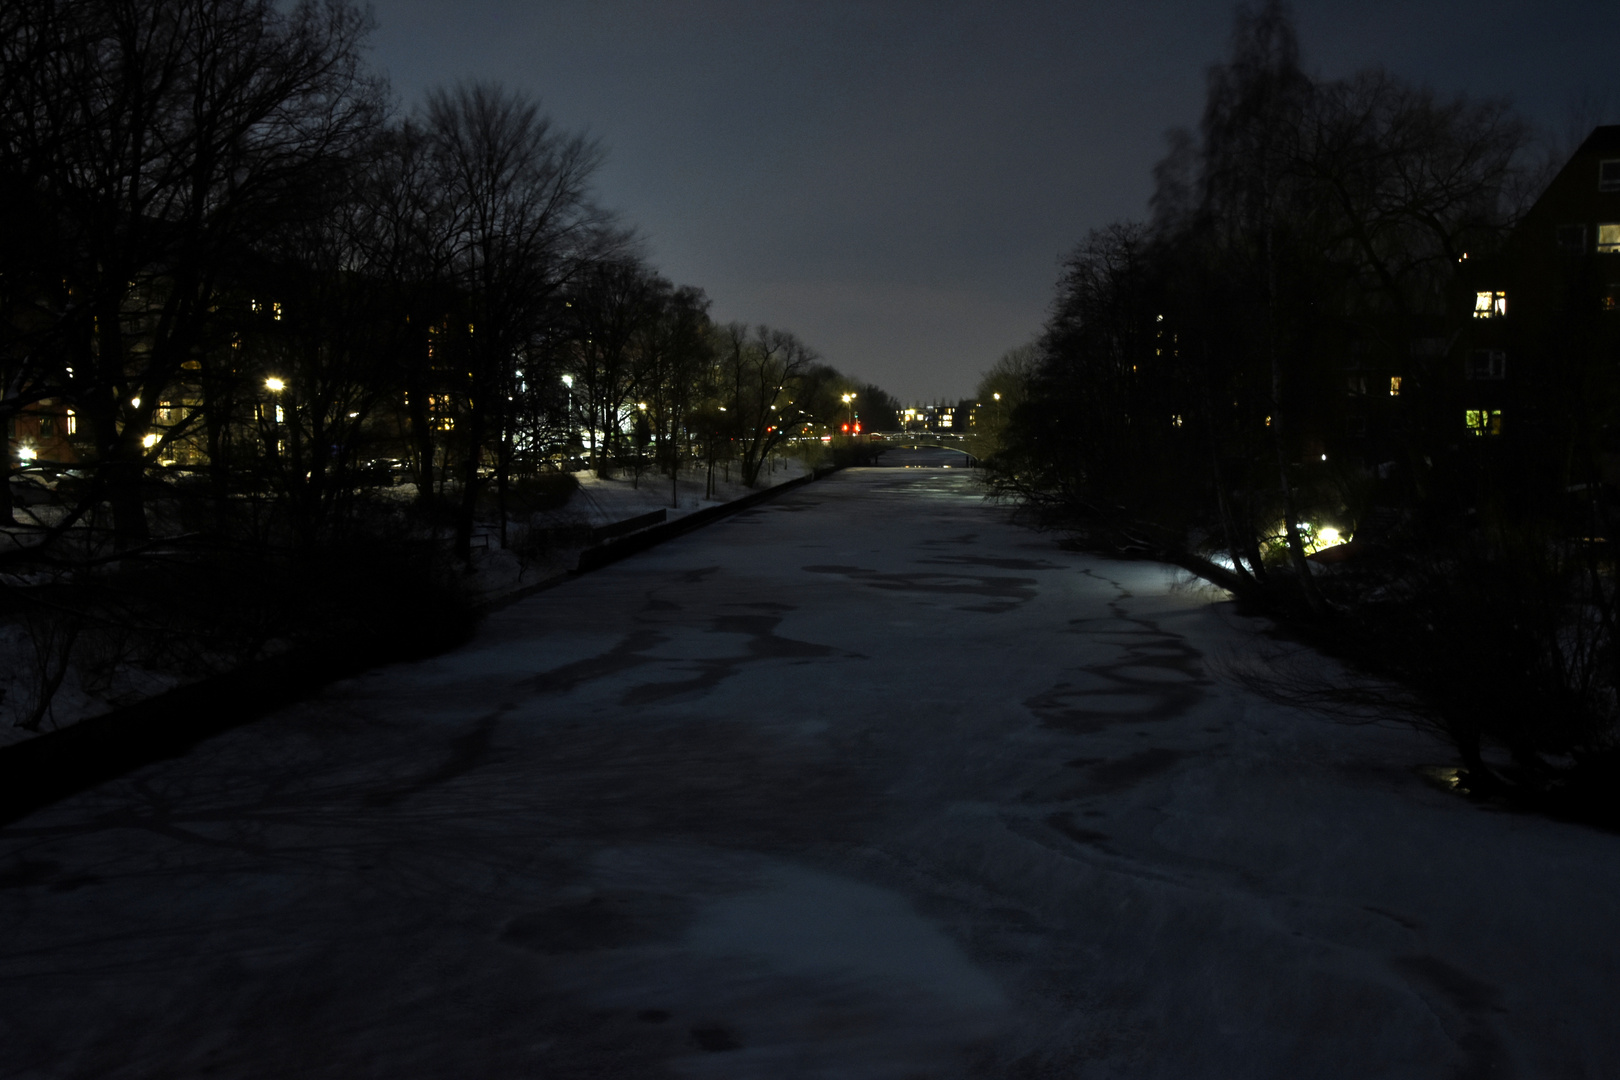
x=275 y=384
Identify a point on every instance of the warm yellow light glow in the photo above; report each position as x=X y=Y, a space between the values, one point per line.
x=1394 y=386
x=1483 y=421
x=1327 y=536
x=1489 y=304
x=27 y=453
x=996 y=396
x=275 y=384
x=149 y=440
x=134 y=402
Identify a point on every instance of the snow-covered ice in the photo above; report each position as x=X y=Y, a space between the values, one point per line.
x=862 y=782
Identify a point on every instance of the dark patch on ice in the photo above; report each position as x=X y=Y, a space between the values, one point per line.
x=1064 y=824
x=1485 y=1057
x=696 y=577
x=653 y=1016
x=25 y=872
x=1158 y=676
x=467 y=752
x=964 y=538
x=77 y=881
x=1010 y=591
x=1464 y=990
x=714 y=1039
x=1083 y=762
x=627 y=654
x=1133 y=769
x=655 y=603
x=597 y=923
x=1399 y=920
x=763 y=644
x=999 y=564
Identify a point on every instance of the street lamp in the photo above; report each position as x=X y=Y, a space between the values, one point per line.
x=275 y=384
x=849 y=400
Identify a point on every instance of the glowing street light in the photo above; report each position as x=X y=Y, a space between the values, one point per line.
x=275 y=384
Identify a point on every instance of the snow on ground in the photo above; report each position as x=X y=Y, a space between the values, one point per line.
x=861 y=782
x=495 y=573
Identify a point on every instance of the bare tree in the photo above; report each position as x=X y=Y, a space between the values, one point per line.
x=161 y=139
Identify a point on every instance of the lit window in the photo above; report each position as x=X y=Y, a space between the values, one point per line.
x=1488 y=304
x=1487 y=364
x=1176 y=421
x=1609 y=175
x=281 y=417
x=255 y=306
x=1483 y=421
x=275 y=310
x=1572 y=239
x=1608 y=239
x=1394 y=386
x=72 y=422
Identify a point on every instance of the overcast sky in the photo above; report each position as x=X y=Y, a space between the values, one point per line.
x=897 y=182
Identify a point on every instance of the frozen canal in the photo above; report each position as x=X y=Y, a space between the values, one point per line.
x=862 y=783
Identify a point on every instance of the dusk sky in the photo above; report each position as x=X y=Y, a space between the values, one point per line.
x=897 y=182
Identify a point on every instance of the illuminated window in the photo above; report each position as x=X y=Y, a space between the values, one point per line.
x=281 y=417
x=1483 y=421
x=255 y=306
x=72 y=422
x=1176 y=421
x=1609 y=175
x=1608 y=239
x=1394 y=386
x=1488 y=304
x=1487 y=364
x=275 y=310
x=1572 y=239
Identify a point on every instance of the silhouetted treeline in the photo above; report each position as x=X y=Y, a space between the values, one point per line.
x=1283 y=358
x=223 y=258
x=241 y=301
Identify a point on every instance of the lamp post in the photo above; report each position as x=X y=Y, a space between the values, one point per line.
x=849 y=400
x=275 y=386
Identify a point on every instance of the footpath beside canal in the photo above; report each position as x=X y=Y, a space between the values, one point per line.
x=864 y=781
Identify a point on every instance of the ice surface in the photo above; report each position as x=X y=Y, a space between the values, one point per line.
x=865 y=782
